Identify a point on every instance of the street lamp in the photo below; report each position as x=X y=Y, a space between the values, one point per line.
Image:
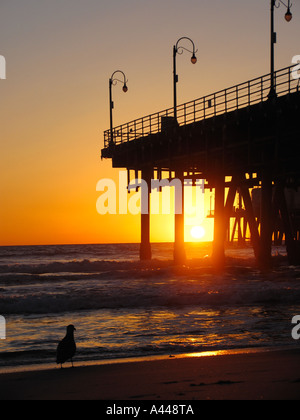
x=288 y=17
x=179 y=50
x=114 y=81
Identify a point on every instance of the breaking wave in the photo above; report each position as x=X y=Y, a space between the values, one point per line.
x=122 y=307
x=88 y=285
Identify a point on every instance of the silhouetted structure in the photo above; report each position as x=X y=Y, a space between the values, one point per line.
x=235 y=139
x=66 y=349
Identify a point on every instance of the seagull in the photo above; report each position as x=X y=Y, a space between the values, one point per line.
x=67 y=347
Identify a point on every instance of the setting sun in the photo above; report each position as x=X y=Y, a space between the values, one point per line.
x=197 y=232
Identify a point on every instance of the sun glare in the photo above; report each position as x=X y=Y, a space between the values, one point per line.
x=197 y=232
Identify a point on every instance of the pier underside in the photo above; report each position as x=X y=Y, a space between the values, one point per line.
x=255 y=147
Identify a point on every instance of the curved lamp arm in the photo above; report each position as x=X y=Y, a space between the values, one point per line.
x=288 y=16
x=179 y=49
x=288 y=6
x=114 y=81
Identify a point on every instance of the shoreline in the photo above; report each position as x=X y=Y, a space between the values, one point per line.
x=245 y=374
x=136 y=359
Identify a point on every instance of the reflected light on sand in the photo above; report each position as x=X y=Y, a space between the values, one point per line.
x=220 y=352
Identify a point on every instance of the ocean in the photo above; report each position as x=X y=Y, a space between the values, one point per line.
x=122 y=308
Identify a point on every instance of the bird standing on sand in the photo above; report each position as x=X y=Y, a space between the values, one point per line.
x=67 y=347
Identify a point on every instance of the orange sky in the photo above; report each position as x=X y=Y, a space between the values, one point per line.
x=54 y=102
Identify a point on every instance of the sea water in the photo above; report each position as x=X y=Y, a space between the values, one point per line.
x=123 y=308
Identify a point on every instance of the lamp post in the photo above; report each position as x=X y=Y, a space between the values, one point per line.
x=179 y=252
x=113 y=81
x=179 y=49
x=288 y=17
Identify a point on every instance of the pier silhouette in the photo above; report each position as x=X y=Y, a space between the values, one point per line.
x=240 y=140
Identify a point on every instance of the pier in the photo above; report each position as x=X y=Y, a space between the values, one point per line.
x=240 y=140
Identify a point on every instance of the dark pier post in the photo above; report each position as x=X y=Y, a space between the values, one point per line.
x=218 y=254
x=265 y=252
x=179 y=249
x=250 y=216
x=145 y=246
x=292 y=245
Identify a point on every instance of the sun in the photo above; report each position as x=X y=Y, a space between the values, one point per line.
x=197 y=232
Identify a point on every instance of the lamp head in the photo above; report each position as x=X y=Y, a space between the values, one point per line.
x=125 y=88
x=194 y=59
x=288 y=16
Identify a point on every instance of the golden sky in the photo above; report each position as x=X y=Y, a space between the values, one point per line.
x=54 y=104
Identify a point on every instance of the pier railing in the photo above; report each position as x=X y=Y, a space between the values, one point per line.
x=239 y=96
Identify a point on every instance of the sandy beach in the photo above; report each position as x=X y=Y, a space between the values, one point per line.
x=267 y=375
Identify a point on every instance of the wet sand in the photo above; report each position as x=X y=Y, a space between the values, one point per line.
x=269 y=375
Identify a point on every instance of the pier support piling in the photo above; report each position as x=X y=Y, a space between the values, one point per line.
x=179 y=248
x=292 y=246
x=145 y=246
x=250 y=216
x=218 y=254
x=265 y=251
